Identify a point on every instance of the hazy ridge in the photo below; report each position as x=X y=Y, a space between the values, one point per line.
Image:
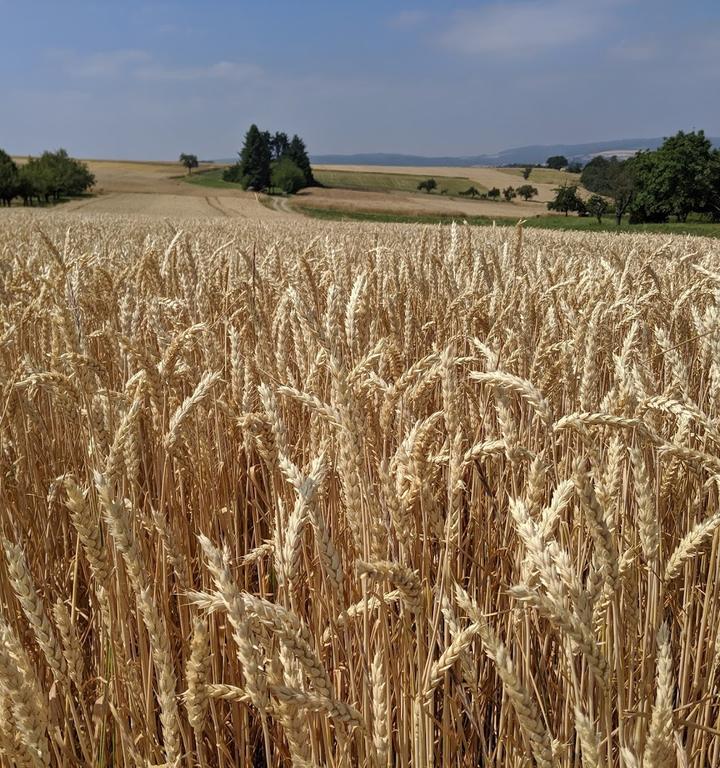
x=534 y=153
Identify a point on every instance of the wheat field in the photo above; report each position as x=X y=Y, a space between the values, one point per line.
x=352 y=496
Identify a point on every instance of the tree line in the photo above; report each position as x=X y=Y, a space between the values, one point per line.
x=47 y=178
x=526 y=191
x=680 y=178
x=271 y=161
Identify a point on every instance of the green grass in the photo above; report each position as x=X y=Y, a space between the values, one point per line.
x=576 y=223
x=369 y=181
x=588 y=224
x=377 y=181
x=330 y=214
x=212 y=178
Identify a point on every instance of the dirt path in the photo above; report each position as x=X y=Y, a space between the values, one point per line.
x=282 y=205
x=215 y=205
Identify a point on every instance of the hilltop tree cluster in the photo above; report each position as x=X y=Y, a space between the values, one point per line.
x=271 y=161
x=47 y=178
x=680 y=178
x=560 y=162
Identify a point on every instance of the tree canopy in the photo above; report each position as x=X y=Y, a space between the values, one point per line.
x=558 y=162
x=527 y=191
x=189 y=161
x=611 y=178
x=679 y=178
x=47 y=178
x=597 y=206
x=268 y=158
x=285 y=175
x=8 y=178
x=428 y=185
x=298 y=154
x=566 y=200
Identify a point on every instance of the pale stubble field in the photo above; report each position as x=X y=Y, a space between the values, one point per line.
x=158 y=189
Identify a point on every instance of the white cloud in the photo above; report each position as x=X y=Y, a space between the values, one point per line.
x=527 y=26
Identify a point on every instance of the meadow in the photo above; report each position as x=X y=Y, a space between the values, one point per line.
x=542 y=175
x=403 y=182
x=341 y=494
x=370 y=180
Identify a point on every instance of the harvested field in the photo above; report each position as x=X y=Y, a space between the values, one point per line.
x=486 y=177
x=154 y=189
x=159 y=189
x=412 y=203
x=345 y=495
x=183 y=206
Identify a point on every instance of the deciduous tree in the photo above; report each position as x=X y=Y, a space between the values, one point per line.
x=189 y=161
x=285 y=175
x=558 y=162
x=566 y=200
x=8 y=178
x=612 y=178
x=526 y=191
x=678 y=178
x=428 y=185
x=597 y=206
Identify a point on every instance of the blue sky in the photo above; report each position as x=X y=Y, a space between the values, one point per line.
x=152 y=79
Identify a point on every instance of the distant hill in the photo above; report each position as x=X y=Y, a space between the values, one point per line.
x=536 y=153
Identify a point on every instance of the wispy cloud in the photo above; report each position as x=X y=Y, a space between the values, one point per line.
x=408 y=18
x=635 y=51
x=525 y=26
x=222 y=70
x=134 y=64
x=101 y=64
